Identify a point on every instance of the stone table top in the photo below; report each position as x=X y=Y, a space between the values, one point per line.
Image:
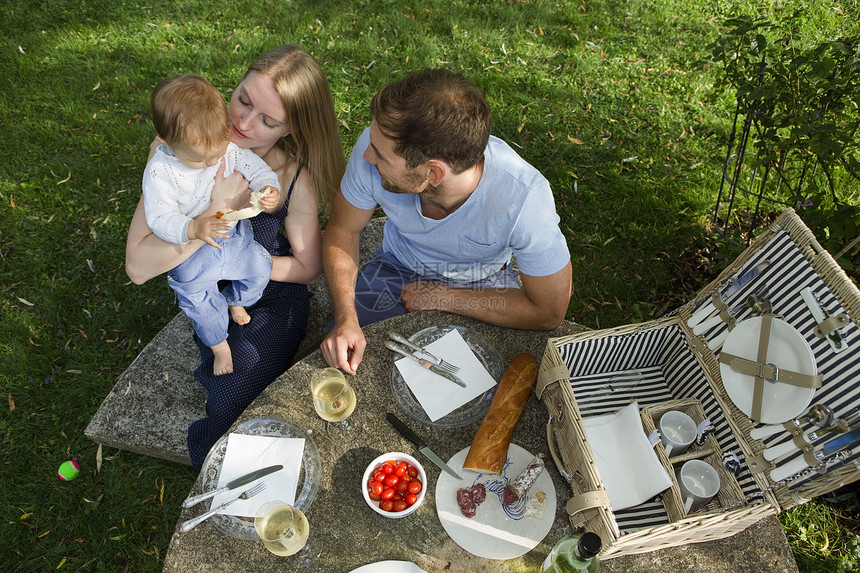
x=350 y=535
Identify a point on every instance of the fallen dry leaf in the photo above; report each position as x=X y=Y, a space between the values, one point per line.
x=11 y=403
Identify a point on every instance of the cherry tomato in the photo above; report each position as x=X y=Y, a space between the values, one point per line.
x=400 y=505
x=377 y=488
x=386 y=505
x=402 y=486
x=412 y=471
x=400 y=469
x=415 y=486
x=410 y=498
x=391 y=480
x=387 y=493
x=387 y=468
x=374 y=496
x=379 y=475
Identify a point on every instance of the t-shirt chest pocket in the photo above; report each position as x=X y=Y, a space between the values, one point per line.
x=478 y=249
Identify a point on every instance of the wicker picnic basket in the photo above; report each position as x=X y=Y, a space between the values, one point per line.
x=662 y=365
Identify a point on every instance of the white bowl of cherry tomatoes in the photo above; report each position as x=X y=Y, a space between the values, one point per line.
x=394 y=484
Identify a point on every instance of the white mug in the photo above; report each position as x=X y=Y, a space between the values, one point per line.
x=677 y=432
x=699 y=482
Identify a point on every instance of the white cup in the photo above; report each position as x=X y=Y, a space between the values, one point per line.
x=677 y=432
x=699 y=482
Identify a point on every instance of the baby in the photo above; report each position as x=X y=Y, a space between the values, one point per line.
x=191 y=119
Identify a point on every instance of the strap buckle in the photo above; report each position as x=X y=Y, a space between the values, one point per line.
x=768 y=372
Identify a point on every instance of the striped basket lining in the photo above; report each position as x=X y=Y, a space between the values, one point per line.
x=656 y=364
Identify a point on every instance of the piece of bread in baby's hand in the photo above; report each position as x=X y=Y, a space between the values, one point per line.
x=489 y=448
x=248 y=212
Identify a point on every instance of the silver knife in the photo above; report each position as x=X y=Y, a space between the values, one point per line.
x=391 y=345
x=837 y=444
x=419 y=443
x=733 y=287
x=238 y=482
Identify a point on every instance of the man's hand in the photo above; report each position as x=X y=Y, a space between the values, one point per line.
x=343 y=347
x=205 y=228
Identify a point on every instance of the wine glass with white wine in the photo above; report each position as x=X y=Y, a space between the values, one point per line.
x=334 y=401
x=284 y=531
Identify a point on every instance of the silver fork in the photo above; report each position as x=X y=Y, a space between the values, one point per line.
x=195 y=521
x=441 y=363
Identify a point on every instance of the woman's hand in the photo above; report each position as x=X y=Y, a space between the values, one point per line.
x=231 y=192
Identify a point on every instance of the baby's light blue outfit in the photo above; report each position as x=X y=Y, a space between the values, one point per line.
x=173 y=195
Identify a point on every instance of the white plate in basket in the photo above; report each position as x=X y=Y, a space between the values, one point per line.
x=787 y=350
x=496 y=532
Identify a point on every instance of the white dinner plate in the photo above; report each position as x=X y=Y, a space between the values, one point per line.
x=787 y=350
x=496 y=532
x=389 y=567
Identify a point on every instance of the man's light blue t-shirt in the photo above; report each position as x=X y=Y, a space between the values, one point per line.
x=511 y=212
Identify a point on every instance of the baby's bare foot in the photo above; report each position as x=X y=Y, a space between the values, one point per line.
x=240 y=315
x=223 y=358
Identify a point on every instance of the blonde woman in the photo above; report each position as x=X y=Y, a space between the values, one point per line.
x=283 y=111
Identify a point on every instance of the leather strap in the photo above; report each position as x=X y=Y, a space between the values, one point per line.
x=830 y=324
x=724 y=310
x=771 y=372
x=551 y=376
x=763 y=343
x=587 y=500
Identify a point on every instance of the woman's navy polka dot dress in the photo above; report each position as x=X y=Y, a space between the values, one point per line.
x=262 y=349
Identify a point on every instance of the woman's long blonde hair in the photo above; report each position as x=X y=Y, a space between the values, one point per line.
x=314 y=139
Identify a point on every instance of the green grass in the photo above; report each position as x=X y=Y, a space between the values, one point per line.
x=605 y=98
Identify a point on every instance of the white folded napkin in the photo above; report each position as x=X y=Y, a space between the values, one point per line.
x=437 y=395
x=628 y=465
x=246 y=453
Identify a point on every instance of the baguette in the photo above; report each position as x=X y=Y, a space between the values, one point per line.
x=489 y=448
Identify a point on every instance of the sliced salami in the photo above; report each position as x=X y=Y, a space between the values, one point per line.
x=479 y=493
x=466 y=503
x=518 y=487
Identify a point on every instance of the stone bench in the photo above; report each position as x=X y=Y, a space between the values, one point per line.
x=157 y=397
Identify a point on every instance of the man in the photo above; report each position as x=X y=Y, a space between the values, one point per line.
x=459 y=203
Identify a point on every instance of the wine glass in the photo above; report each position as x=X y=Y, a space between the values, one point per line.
x=284 y=531
x=334 y=401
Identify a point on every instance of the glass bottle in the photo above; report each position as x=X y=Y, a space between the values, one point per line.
x=573 y=554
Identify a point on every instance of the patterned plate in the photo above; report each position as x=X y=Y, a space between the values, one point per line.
x=309 y=474
x=470 y=411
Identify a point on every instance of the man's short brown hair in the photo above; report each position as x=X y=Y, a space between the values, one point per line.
x=434 y=114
